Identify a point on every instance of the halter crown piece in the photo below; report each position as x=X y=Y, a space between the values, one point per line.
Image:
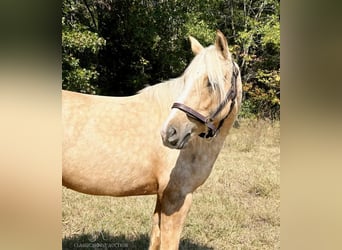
x=208 y=120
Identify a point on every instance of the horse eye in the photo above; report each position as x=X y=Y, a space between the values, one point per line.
x=210 y=85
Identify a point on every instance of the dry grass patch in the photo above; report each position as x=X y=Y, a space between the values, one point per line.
x=238 y=207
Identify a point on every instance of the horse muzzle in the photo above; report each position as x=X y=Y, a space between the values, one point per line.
x=175 y=138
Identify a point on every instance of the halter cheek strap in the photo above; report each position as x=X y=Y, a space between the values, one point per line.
x=208 y=120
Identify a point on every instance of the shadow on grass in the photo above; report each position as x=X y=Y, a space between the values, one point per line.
x=104 y=240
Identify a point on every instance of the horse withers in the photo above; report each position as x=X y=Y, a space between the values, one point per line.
x=163 y=141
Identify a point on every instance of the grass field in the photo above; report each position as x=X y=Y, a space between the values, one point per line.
x=238 y=207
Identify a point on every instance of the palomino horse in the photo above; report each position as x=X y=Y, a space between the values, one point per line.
x=122 y=146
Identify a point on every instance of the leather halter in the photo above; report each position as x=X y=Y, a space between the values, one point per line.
x=208 y=120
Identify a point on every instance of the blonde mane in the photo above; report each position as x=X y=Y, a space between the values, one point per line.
x=207 y=62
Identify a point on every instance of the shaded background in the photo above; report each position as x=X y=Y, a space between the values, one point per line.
x=115 y=47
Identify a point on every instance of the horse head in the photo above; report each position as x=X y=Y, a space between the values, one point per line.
x=208 y=95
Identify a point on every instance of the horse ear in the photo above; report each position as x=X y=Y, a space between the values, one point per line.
x=196 y=47
x=221 y=44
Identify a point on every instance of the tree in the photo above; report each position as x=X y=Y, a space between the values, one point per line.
x=255 y=30
x=116 y=47
x=80 y=47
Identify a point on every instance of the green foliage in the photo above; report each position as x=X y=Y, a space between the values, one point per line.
x=80 y=47
x=116 y=47
x=82 y=40
x=77 y=78
x=201 y=29
x=256 y=33
x=80 y=43
x=264 y=95
x=271 y=32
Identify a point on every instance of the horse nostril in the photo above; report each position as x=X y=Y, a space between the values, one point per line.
x=172 y=137
x=171 y=131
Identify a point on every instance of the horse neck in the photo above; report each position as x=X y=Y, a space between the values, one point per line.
x=212 y=147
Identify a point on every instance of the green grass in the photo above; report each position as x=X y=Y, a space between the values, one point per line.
x=238 y=207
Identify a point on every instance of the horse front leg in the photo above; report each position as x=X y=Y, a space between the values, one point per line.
x=155 y=234
x=175 y=208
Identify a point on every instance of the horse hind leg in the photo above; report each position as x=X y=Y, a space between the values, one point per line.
x=155 y=234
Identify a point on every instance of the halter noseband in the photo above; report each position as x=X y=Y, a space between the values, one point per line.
x=208 y=120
